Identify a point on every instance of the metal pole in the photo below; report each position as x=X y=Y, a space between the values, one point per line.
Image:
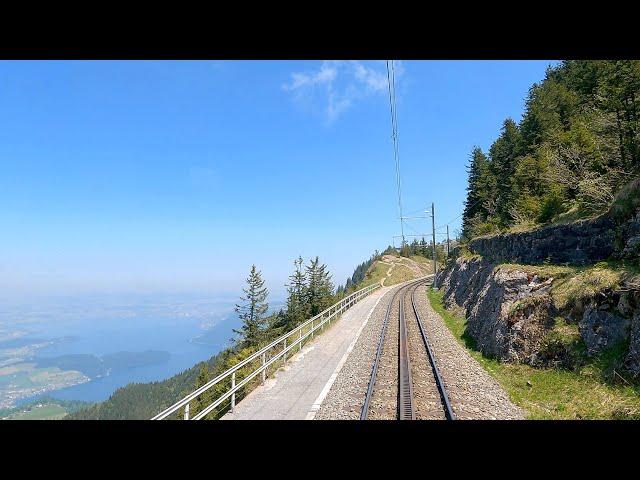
x=433 y=228
x=299 y=339
x=264 y=372
x=233 y=395
x=186 y=412
x=284 y=357
x=447 y=242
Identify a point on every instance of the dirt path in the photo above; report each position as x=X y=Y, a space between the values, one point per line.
x=394 y=262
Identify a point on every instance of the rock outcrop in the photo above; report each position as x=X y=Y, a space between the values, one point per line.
x=510 y=312
x=600 y=328
x=632 y=362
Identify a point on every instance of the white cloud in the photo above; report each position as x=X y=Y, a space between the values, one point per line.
x=337 y=85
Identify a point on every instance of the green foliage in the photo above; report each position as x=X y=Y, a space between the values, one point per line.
x=252 y=309
x=297 y=306
x=552 y=205
x=577 y=144
x=205 y=398
x=319 y=290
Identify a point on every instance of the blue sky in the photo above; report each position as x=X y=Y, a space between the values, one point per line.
x=151 y=177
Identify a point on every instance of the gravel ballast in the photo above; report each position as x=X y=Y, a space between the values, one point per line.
x=346 y=396
x=473 y=393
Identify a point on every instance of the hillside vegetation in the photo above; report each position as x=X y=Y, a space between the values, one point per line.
x=547 y=303
x=577 y=144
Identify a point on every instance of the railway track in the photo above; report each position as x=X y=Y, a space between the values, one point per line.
x=405 y=382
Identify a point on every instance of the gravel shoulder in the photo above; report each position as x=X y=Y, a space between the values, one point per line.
x=474 y=394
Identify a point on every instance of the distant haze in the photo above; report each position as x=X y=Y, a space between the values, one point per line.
x=151 y=177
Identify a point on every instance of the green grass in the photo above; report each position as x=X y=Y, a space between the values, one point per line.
x=399 y=274
x=589 y=392
x=424 y=261
x=376 y=272
x=466 y=254
x=574 y=284
x=627 y=201
x=44 y=412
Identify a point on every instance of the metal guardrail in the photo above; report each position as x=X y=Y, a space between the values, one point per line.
x=276 y=350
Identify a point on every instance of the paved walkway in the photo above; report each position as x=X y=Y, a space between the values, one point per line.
x=296 y=391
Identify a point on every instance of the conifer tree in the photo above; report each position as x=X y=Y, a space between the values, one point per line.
x=205 y=398
x=297 y=308
x=251 y=310
x=477 y=189
x=319 y=287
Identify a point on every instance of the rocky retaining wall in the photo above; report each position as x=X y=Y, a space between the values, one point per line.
x=580 y=243
x=510 y=312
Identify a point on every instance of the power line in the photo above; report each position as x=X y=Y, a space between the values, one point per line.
x=391 y=80
x=453 y=220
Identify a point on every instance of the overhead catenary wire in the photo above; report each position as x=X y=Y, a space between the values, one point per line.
x=394 y=135
x=461 y=214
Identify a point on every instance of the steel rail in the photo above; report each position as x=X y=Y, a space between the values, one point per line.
x=374 y=369
x=331 y=312
x=448 y=410
x=406 y=410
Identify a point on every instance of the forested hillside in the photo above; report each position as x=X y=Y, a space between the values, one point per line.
x=577 y=143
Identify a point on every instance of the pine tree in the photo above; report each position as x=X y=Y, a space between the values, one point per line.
x=477 y=189
x=205 y=398
x=252 y=310
x=297 y=307
x=504 y=153
x=319 y=287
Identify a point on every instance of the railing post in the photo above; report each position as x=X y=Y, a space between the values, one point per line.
x=284 y=357
x=186 y=412
x=264 y=371
x=233 y=395
x=299 y=339
x=312 y=322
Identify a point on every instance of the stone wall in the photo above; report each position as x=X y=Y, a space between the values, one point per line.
x=579 y=243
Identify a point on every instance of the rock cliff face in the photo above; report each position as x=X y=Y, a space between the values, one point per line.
x=507 y=310
x=510 y=312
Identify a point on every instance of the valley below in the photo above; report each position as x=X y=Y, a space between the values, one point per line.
x=84 y=354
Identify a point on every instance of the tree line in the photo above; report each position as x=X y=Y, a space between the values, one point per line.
x=577 y=143
x=309 y=291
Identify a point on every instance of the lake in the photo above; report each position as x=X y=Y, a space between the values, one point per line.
x=190 y=330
